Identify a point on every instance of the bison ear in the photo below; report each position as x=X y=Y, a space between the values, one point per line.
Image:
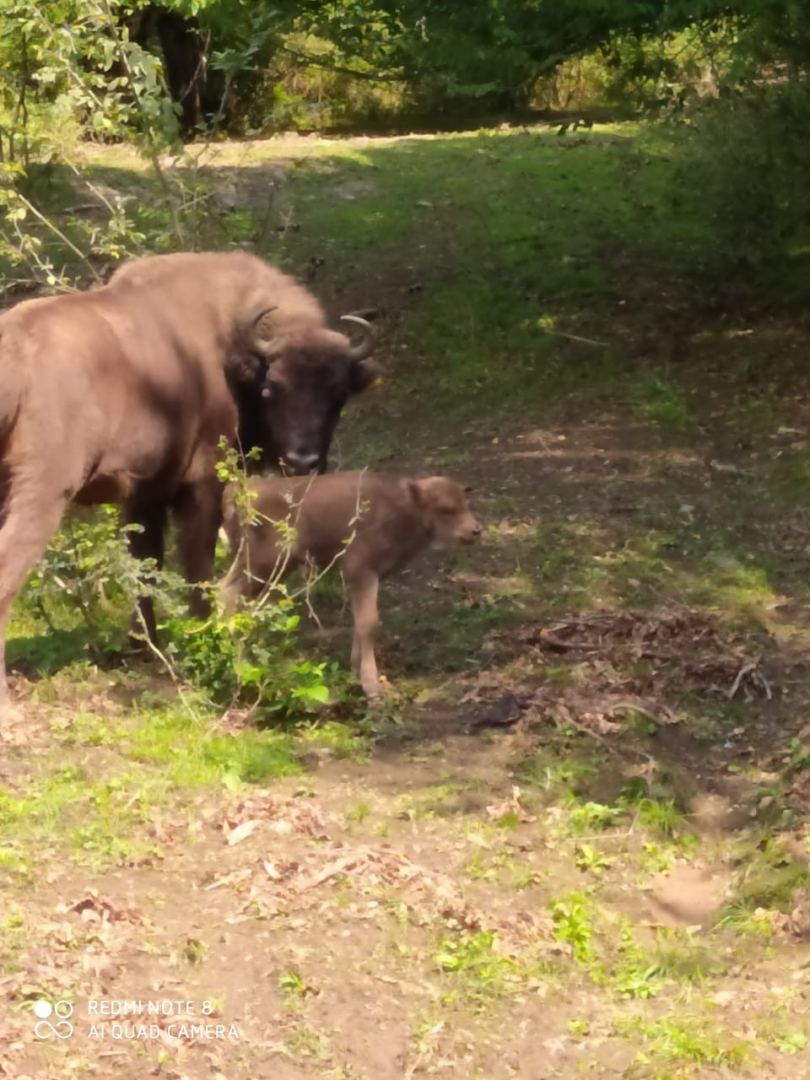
x=362 y=375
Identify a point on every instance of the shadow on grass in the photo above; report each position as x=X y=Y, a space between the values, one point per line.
x=40 y=655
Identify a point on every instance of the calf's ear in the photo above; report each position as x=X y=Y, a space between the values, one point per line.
x=362 y=375
x=427 y=493
x=415 y=491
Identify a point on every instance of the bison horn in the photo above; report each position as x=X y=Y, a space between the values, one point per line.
x=361 y=350
x=260 y=344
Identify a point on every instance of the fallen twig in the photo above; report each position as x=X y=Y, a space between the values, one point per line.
x=746 y=669
x=577 y=337
x=554 y=642
x=633 y=706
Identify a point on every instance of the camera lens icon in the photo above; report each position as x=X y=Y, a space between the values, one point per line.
x=61 y=1010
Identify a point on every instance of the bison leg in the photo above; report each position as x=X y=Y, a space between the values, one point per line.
x=31 y=518
x=146 y=543
x=198 y=510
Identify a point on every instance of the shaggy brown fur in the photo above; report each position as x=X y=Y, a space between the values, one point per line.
x=290 y=375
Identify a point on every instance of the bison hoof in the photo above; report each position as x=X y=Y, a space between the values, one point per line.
x=377 y=690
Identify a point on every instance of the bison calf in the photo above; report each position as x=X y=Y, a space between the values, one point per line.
x=370 y=525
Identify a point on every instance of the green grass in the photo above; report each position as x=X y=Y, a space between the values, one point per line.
x=339 y=740
x=554 y=773
x=191 y=752
x=663 y=403
x=693 y=1041
x=572 y=917
x=66 y=809
x=676 y=957
x=475 y=965
x=161 y=756
x=439 y=800
x=768 y=876
x=292 y=983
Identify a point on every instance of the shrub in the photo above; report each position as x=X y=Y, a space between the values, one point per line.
x=744 y=161
x=249 y=658
x=89 y=581
x=88 y=578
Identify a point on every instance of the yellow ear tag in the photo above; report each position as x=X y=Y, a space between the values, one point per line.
x=377 y=383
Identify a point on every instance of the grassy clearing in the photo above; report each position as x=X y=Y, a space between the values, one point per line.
x=615 y=886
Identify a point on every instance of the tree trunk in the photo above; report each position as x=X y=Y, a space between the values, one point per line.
x=184 y=61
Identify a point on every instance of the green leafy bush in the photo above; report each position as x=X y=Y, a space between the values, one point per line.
x=250 y=658
x=88 y=577
x=89 y=582
x=744 y=163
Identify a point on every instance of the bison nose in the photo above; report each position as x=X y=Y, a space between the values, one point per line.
x=302 y=460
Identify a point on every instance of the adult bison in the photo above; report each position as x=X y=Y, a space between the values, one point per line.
x=122 y=394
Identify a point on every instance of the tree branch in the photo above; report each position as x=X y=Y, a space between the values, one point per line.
x=315 y=61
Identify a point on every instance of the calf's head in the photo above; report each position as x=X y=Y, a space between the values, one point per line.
x=446 y=511
x=291 y=409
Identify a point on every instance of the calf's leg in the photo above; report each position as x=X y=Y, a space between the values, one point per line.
x=257 y=561
x=28 y=518
x=363 y=596
x=234 y=585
